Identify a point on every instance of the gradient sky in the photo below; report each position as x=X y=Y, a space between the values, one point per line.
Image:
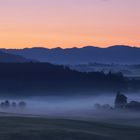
x=69 y=23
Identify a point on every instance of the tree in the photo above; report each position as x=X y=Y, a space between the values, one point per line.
x=22 y=104
x=120 y=101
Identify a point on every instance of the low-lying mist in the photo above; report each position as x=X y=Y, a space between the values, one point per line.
x=70 y=106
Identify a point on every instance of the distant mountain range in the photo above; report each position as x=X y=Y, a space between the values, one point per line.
x=12 y=58
x=119 y=54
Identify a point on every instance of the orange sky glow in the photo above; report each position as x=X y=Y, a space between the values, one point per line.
x=69 y=23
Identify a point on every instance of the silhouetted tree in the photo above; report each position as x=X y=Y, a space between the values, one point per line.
x=133 y=105
x=120 y=101
x=6 y=104
x=22 y=104
x=2 y=104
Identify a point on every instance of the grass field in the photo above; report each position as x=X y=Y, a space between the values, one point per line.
x=27 y=128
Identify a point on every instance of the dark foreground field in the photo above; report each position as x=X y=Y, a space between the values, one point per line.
x=23 y=128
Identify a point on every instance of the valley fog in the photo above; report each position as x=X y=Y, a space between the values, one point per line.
x=70 y=106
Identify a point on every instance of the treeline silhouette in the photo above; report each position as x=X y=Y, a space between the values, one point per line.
x=43 y=78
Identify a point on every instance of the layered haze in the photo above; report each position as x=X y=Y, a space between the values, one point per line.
x=80 y=107
x=70 y=69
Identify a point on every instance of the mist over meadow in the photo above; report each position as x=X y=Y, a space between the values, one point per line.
x=75 y=106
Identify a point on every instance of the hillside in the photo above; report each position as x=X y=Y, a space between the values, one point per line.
x=12 y=58
x=28 y=128
x=41 y=78
x=118 y=54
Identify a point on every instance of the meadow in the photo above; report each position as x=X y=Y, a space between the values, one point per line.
x=39 y=128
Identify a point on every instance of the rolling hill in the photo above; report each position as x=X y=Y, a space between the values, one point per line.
x=12 y=58
x=118 y=54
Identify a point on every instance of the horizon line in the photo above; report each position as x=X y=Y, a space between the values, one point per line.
x=132 y=46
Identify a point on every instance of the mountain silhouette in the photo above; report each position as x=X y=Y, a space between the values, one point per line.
x=119 y=54
x=11 y=58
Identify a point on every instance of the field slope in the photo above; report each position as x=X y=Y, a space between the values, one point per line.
x=22 y=128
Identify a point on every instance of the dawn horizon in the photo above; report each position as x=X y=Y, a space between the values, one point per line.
x=70 y=70
x=67 y=24
x=79 y=47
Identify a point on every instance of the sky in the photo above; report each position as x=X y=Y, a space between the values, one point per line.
x=69 y=23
